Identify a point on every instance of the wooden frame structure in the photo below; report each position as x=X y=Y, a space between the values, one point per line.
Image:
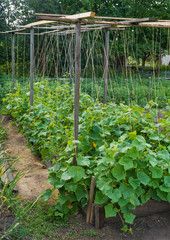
x=75 y=24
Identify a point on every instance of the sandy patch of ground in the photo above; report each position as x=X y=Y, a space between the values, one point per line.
x=35 y=180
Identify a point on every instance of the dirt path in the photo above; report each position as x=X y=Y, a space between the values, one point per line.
x=34 y=182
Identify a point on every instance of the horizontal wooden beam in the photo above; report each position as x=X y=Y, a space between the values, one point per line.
x=116 y=24
x=117 y=29
x=59 y=19
x=96 y=17
x=48 y=27
x=67 y=32
x=81 y=15
x=136 y=21
x=155 y=24
x=58 y=29
x=43 y=22
x=24 y=33
x=14 y=31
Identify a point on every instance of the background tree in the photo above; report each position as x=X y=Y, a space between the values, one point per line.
x=14 y=12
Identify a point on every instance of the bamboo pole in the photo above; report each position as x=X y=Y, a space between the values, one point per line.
x=13 y=62
x=77 y=86
x=70 y=58
x=106 y=62
x=31 y=65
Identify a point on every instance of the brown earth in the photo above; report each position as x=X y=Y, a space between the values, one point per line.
x=35 y=180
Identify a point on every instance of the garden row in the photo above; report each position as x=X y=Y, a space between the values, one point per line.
x=123 y=147
x=129 y=91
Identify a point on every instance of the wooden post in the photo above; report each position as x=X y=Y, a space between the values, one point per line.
x=31 y=65
x=43 y=64
x=99 y=216
x=106 y=61
x=13 y=62
x=77 y=86
x=90 y=202
x=70 y=58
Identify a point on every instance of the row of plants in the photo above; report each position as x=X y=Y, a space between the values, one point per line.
x=134 y=89
x=124 y=147
x=130 y=90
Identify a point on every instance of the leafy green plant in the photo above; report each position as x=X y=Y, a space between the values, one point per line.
x=123 y=147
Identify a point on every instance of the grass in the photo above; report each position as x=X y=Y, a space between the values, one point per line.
x=39 y=225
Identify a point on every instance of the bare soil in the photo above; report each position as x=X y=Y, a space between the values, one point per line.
x=154 y=227
x=35 y=180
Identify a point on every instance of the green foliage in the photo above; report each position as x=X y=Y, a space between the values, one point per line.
x=130 y=91
x=120 y=145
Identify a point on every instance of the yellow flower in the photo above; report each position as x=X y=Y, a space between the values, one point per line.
x=94 y=145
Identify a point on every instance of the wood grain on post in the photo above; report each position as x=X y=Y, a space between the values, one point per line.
x=43 y=64
x=90 y=202
x=97 y=217
x=70 y=58
x=13 y=62
x=102 y=216
x=31 y=65
x=92 y=216
x=77 y=86
x=106 y=62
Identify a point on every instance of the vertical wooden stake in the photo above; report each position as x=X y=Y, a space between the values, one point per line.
x=43 y=64
x=149 y=91
x=13 y=62
x=160 y=60
x=77 y=86
x=99 y=216
x=90 y=202
x=31 y=65
x=106 y=62
x=70 y=59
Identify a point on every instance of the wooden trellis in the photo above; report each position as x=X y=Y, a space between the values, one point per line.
x=75 y=24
